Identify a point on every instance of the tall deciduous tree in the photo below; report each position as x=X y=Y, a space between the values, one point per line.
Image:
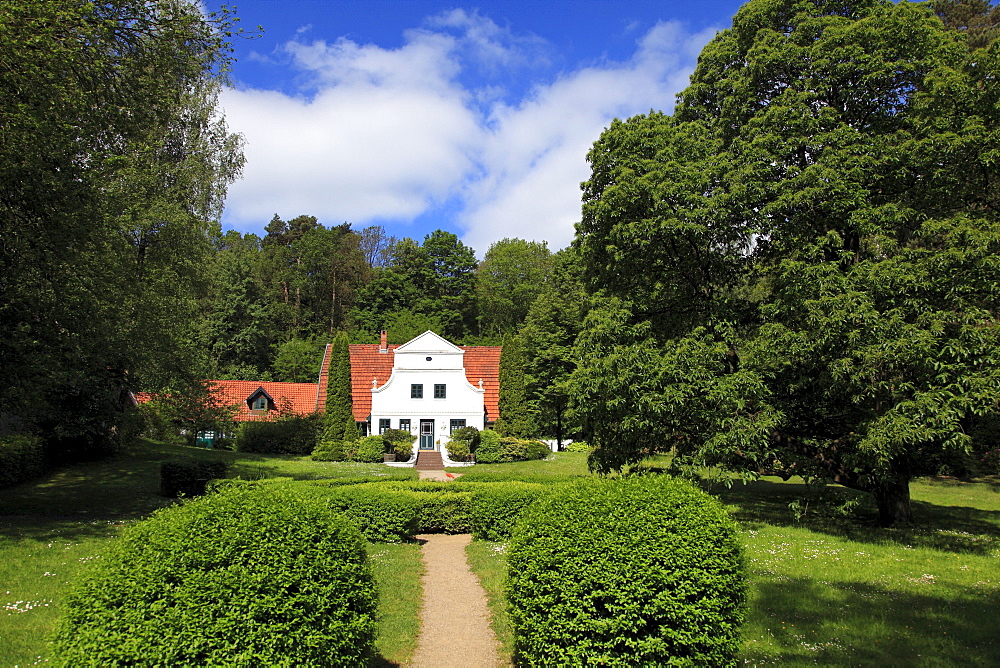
x=798 y=271
x=511 y=276
x=114 y=168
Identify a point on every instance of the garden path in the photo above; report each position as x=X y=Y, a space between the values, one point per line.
x=455 y=620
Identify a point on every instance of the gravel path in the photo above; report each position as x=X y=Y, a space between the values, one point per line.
x=455 y=620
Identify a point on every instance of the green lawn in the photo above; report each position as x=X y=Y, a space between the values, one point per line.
x=51 y=529
x=829 y=587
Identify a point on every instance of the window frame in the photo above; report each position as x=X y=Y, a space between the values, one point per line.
x=440 y=390
x=404 y=425
x=384 y=424
x=457 y=423
x=416 y=390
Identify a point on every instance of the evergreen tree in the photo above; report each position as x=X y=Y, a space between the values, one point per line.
x=516 y=413
x=338 y=420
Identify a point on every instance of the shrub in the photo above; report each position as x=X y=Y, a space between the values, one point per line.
x=22 y=458
x=578 y=446
x=443 y=507
x=489 y=450
x=382 y=514
x=330 y=451
x=189 y=478
x=458 y=451
x=251 y=575
x=495 y=508
x=522 y=450
x=633 y=571
x=468 y=434
x=293 y=435
x=369 y=449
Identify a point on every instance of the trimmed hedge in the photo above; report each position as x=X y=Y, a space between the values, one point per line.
x=495 y=508
x=189 y=478
x=284 y=436
x=368 y=449
x=22 y=458
x=634 y=571
x=381 y=514
x=249 y=576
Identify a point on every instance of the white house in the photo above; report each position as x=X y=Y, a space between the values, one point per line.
x=427 y=386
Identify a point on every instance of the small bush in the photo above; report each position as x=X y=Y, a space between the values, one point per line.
x=489 y=449
x=634 y=571
x=495 y=508
x=249 y=576
x=578 y=446
x=293 y=435
x=370 y=449
x=468 y=434
x=458 y=451
x=189 y=478
x=22 y=458
x=443 y=507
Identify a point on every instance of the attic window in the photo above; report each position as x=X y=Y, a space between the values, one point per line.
x=259 y=404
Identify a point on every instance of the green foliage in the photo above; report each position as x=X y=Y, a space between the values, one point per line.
x=338 y=419
x=790 y=277
x=495 y=508
x=511 y=276
x=640 y=571
x=189 y=478
x=330 y=451
x=401 y=442
x=458 y=451
x=22 y=458
x=381 y=514
x=516 y=413
x=289 y=435
x=468 y=434
x=495 y=449
x=298 y=361
x=371 y=448
x=247 y=576
x=489 y=450
x=579 y=446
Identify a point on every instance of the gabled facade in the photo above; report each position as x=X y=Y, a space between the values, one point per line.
x=427 y=386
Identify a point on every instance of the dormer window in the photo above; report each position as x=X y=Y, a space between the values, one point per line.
x=260 y=401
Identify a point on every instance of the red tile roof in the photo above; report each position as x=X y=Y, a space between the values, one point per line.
x=367 y=363
x=299 y=398
x=481 y=362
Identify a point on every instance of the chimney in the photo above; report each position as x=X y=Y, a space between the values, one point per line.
x=383 y=346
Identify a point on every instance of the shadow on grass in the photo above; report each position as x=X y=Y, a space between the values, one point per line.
x=948 y=528
x=850 y=623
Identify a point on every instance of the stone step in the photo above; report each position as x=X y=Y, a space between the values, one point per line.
x=429 y=460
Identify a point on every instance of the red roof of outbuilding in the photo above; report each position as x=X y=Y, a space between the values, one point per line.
x=367 y=363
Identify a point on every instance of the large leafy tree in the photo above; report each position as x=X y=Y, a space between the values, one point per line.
x=114 y=167
x=798 y=271
x=511 y=276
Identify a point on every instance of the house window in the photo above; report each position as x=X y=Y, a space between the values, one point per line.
x=260 y=403
x=363 y=428
x=416 y=391
x=456 y=424
x=440 y=391
x=383 y=424
x=405 y=425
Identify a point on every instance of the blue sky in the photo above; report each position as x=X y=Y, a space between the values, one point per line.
x=418 y=115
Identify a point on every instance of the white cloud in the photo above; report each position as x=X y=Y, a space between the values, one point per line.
x=386 y=135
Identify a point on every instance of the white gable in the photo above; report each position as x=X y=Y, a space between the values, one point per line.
x=428 y=351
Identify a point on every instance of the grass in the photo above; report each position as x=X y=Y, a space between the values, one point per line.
x=830 y=587
x=50 y=529
x=557 y=464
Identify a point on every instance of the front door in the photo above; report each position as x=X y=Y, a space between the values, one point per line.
x=427 y=434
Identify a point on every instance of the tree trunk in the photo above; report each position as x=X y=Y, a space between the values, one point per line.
x=893 y=499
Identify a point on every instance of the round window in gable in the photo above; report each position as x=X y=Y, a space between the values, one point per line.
x=429 y=359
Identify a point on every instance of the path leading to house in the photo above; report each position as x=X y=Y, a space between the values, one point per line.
x=455 y=620
x=438 y=474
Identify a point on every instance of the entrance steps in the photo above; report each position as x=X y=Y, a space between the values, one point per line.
x=429 y=460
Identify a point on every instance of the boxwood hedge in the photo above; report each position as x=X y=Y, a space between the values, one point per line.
x=635 y=571
x=495 y=508
x=247 y=576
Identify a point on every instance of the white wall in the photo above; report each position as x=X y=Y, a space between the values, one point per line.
x=444 y=366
